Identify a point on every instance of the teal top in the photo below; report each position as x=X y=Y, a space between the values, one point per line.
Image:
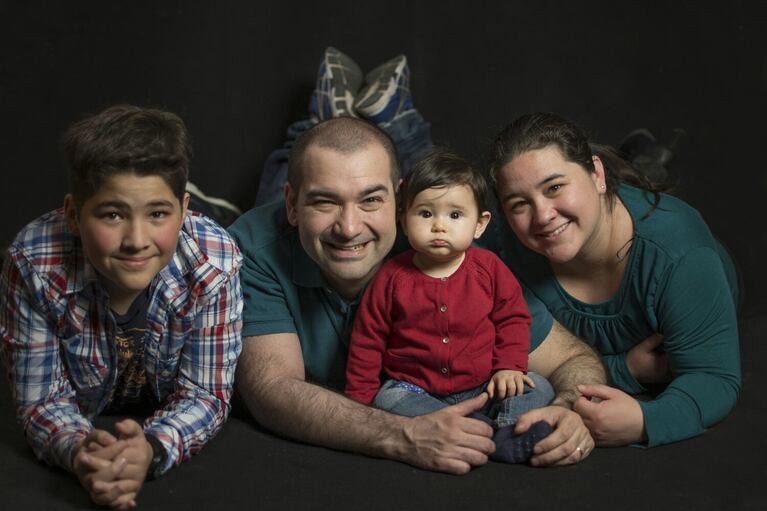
x=680 y=282
x=285 y=292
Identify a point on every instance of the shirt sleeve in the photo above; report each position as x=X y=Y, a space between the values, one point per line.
x=620 y=376
x=512 y=322
x=697 y=318
x=372 y=327
x=200 y=404
x=44 y=399
x=541 y=318
x=267 y=310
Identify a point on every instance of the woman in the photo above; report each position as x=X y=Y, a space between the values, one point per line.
x=634 y=272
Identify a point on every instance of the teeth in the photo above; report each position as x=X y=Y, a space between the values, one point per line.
x=557 y=231
x=354 y=248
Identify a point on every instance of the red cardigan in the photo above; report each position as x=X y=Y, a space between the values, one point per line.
x=444 y=335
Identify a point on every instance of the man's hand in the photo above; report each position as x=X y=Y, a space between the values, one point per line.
x=646 y=363
x=614 y=419
x=507 y=383
x=569 y=443
x=449 y=441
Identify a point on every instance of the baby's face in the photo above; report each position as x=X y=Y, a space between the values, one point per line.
x=442 y=222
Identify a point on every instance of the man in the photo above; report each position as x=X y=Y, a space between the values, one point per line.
x=306 y=264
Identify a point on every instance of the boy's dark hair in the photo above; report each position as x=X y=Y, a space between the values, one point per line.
x=345 y=135
x=126 y=138
x=441 y=169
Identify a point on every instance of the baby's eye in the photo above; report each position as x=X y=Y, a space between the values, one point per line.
x=424 y=213
x=455 y=215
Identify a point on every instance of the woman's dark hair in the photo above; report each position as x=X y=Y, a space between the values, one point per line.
x=441 y=169
x=126 y=138
x=539 y=130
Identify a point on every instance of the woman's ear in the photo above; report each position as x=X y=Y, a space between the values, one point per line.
x=599 y=174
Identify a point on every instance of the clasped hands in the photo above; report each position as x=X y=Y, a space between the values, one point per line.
x=112 y=469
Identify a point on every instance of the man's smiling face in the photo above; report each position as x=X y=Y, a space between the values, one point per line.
x=345 y=213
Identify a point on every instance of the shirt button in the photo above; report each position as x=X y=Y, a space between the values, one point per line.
x=443 y=279
x=443 y=308
x=444 y=370
x=445 y=340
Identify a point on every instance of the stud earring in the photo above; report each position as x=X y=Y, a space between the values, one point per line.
x=602 y=187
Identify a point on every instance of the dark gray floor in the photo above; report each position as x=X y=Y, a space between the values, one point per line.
x=246 y=468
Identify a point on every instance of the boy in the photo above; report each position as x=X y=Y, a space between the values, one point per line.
x=444 y=318
x=121 y=302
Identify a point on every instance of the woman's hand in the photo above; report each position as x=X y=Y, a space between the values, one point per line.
x=614 y=418
x=646 y=363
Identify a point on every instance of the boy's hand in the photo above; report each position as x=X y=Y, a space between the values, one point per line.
x=138 y=455
x=97 y=461
x=112 y=471
x=506 y=383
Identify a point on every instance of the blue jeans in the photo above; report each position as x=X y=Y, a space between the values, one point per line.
x=410 y=400
x=409 y=131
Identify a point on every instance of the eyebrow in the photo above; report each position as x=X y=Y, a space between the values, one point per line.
x=160 y=203
x=429 y=204
x=547 y=179
x=116 y=204
x=322 y=192
x=112 y=204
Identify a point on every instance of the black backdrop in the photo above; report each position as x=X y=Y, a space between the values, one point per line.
x=239 y=72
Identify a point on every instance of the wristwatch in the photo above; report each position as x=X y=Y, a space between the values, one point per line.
x=159 y=455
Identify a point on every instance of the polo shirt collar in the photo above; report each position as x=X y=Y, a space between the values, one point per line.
x=305 y=272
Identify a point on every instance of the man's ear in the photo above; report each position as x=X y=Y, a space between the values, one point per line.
x=482 y=221
x=70 y=213
x=291 y=197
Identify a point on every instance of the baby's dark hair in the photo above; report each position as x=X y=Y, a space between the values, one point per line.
x=441 y=169
x=126 y=138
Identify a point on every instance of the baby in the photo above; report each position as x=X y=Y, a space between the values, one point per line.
x=446 y=321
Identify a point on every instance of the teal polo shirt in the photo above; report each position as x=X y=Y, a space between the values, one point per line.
x=285 y=292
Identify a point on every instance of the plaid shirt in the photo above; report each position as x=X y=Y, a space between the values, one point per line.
x=58 y=332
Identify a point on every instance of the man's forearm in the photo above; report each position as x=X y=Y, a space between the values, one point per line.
x=567 y=362
x=316 y=415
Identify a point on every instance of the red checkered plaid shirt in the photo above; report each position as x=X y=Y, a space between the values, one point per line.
x=57 y=337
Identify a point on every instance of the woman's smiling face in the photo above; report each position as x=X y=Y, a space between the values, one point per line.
x=553 y=205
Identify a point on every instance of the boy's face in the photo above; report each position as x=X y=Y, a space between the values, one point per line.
x=129 y=230
x=441 y=223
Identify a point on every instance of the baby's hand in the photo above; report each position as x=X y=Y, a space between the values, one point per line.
x=506 y=383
